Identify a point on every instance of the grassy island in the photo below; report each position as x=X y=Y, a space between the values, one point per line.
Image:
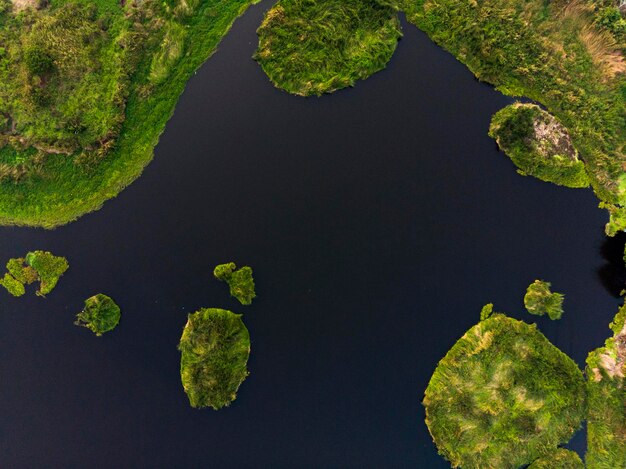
x=42 y=266
x=503 y=396
x=240 y=281
x=565 y=55
x=215 y=346
x=539 y=300
x=311 y=47
x=86 y=88
x=606 y=426
x=559 y=459
x=99 y=315
x=538 y=144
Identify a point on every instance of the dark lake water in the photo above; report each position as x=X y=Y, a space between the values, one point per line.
x=378 y=222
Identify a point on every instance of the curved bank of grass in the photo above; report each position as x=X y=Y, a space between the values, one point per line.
x=312 y=47
x=64 y=190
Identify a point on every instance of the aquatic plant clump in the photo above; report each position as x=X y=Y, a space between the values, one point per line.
x=42 y=266
x=538 y=144
x=560 y=459
x=240 y=281
x=215 y=347
x=101 y=314
x=503 y=396
x=539 y=300
x=312 y=47
x=606 y=394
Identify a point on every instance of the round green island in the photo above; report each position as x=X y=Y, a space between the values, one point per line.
x=100 y=314
x=503 y=396
x=315 y=47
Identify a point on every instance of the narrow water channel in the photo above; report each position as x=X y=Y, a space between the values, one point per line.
x=378 y=222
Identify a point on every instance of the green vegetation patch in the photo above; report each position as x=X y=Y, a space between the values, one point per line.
x=86 y=88
x=538 y=144
x=311 y=47
x=240 y=281
x=503 y=396
x=40 y=266
x=99 y=315
x=560 y=459
x=559 y=54
x=606 y=391
x=215 y=347
x=540 y=300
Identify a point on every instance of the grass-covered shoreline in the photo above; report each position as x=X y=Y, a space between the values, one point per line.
x=63 y=190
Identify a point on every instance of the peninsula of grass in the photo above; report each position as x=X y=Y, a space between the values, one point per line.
x=86 y=88
x=312 y=47
x=214 y=347
x=42 y=266
x=503 y=396
x=240 y=281
x=538 y=144
x=539 y=300
x=99 y=315
x=565 y=55
x=560 y=459
x=606 y=391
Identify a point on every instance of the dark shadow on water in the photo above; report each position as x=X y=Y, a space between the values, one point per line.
x=613 y=274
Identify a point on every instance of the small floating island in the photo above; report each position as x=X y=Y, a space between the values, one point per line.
x=99 y=315
x=214 y=347
x=240 y=281
x=539 y=300
x=42 y=266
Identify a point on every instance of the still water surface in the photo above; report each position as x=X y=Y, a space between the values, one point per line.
x=378 y=222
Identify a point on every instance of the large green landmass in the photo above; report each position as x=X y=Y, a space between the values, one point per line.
x=101 y=314
x=311 y=47
x=86 y=89
x=606 y=395
x=503 y=396
x=215 y=346
x=42 y=266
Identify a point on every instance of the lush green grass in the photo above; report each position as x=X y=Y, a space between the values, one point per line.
x=538 y=145
x=40 y=266
x=99 y=315
x=540 y=300
x=240 y=281
x=556 y=53
x=503 y=396
x=215 y=346
x=560 y=459
x=606 y=426
x=311 y=47
x=58 y=188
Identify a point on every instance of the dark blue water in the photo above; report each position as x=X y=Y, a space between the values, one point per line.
x=378 y=222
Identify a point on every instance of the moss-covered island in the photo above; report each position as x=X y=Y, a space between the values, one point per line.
x=240 y=281
x=42 y=266
x=101 y=314
x=539 y=300
x=215 y=347
x=560 y=459
x=606 y=390
x=538 y=144
x=311 y=47
x=85 y=91
x=503 y=396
